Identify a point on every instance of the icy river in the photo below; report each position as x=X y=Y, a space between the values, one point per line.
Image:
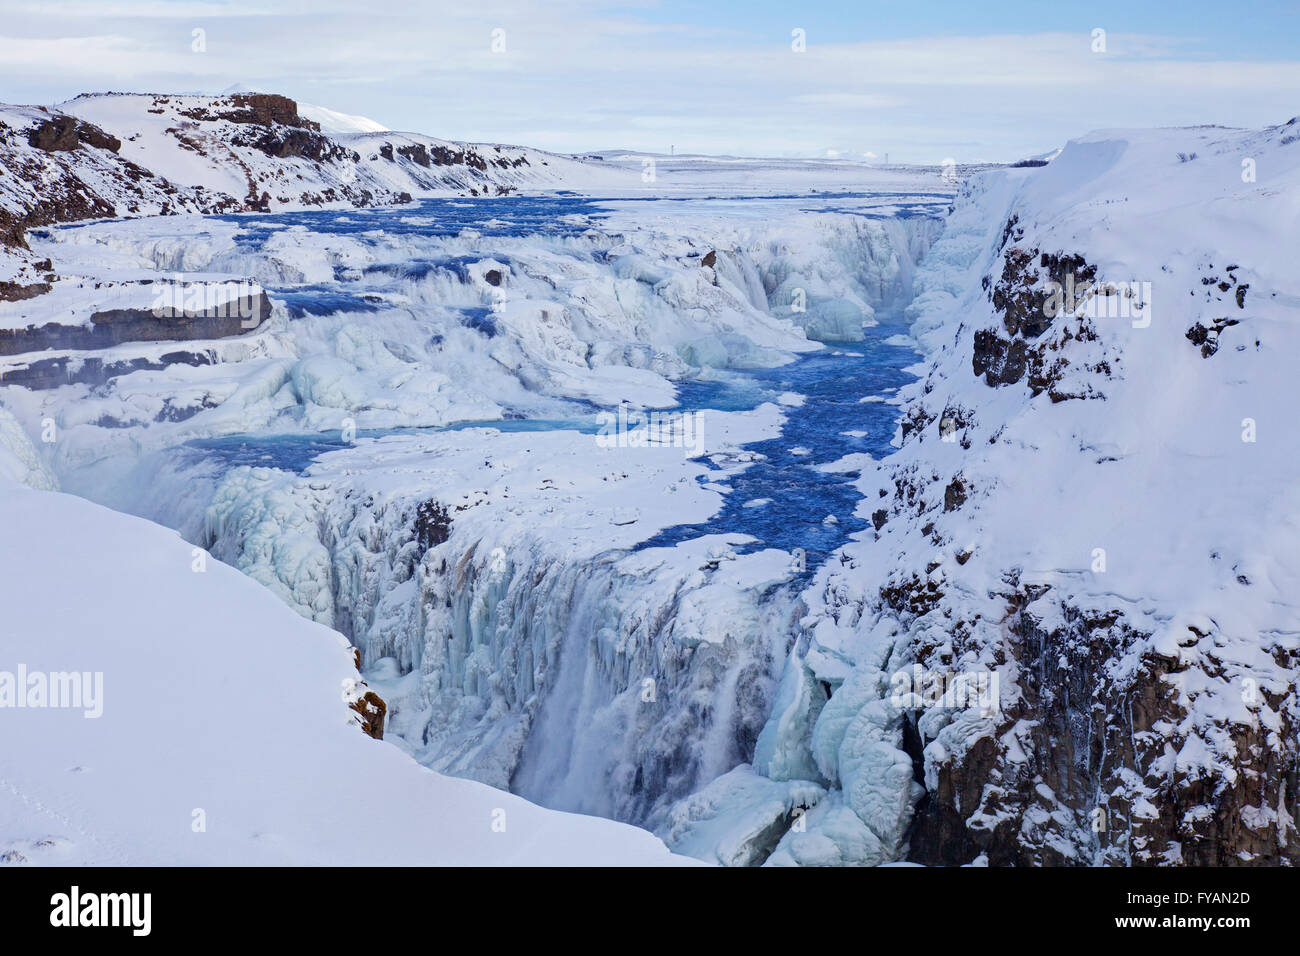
x=408 y=452
x=843 y=394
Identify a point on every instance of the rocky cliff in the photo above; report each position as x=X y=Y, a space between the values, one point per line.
x=1093 y=503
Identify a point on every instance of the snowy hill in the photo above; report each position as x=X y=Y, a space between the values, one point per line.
x=260 y=149
x=335 y=123
x=1094 y=500
x=61 y=169
x=114 y=154
x=212 y=725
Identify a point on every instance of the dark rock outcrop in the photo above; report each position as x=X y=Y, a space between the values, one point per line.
x=120 y=326
x=284 y=142
x=17 y=292
x=1034 y=294
x=1063 y=776
x=259 y=109
x=1208 y=338
x=92 y=370
x=432 y=524
x=371 y=711
x=64 y=133
x=266 y=109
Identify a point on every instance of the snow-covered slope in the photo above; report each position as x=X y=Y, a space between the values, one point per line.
x=57 y=168
x=1097 y=502
x=117 y=154
x=335 y=123
x=261 y=150
x=213 y=725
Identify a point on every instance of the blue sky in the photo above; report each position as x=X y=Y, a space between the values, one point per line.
x=920 y=81
x=1253 y=30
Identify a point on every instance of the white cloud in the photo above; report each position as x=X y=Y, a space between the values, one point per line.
x=581 y=75
x=849 y=101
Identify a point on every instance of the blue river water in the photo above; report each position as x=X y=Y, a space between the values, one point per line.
x=783 y=500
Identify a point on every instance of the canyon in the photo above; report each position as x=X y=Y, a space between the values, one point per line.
x=901 y=461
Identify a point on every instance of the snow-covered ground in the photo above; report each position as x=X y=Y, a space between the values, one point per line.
x=201 y=721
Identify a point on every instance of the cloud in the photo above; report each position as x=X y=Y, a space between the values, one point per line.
x=580 y=75
x=849 y=101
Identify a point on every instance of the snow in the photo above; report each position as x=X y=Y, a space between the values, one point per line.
x=19 y=461
x=344 y=123
x=1151 y=499
x=483 y=645
x=756 y=811
x=224 y=736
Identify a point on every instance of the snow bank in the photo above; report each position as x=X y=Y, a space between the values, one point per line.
x=224 y=736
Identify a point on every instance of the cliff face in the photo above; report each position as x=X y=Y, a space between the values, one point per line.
x=1094 y=502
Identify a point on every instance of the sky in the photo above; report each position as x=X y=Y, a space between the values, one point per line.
x=919 y=81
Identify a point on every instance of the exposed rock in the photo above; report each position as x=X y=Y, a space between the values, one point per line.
x=281 y=143
x=432 y=524
x=371 y=711
x=954 y=496
x=417 y=154
x=1060 y=778
x=62 y=133
x=1208 y=338
x=120 y=326
x=16 y=292
x=268 y=108
x=1028 y=297
x=93 y=370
